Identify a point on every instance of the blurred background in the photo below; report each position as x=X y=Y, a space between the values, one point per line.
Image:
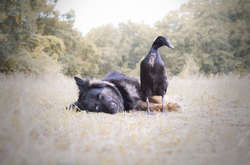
x=92 y=38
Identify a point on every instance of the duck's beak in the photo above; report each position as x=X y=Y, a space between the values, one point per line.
x=171 y=46
x=168 y=44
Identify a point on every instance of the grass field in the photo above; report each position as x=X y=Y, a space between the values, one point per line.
x=212 y=128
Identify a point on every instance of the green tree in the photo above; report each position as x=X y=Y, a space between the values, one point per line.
x=215 y=33
x=21 y=48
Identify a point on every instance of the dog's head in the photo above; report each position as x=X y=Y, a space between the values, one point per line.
x=98 y=96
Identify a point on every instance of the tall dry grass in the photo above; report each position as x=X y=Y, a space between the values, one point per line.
x=213 y=128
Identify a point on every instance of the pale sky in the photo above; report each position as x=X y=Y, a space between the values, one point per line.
x=94 y=13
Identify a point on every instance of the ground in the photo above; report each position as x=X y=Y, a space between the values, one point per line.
x=213 y=126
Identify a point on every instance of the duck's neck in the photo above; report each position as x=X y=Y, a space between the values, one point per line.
x=155 y=46
x=154 y=49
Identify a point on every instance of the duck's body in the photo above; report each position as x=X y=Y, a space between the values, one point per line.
x=153 y=75
x=152 y=72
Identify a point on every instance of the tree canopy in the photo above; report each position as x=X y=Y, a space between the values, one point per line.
x=210 y=37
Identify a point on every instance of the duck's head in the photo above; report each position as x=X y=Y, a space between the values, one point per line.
x=161 y=41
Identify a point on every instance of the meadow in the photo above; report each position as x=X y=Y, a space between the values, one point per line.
x=212 y=127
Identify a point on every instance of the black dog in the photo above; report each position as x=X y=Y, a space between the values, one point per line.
x=116 y=92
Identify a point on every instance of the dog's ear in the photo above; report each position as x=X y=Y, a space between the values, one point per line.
x=81 y=83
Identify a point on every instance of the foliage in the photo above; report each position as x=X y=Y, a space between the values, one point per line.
x=33 y=36
x=214 y=34
x=210 y=37
x=123 y=47
x=21 y=47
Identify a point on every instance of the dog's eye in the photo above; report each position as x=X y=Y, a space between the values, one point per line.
x=97 y=108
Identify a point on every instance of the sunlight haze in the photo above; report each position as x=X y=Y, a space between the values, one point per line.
x=94 y=13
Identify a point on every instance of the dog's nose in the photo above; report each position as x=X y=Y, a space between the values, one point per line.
x=114 y=107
